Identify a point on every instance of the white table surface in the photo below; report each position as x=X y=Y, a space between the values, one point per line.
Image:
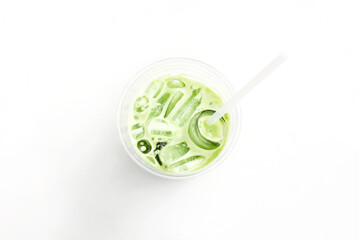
x=64 y=173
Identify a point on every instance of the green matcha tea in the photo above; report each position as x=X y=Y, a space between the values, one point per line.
x=169 y=128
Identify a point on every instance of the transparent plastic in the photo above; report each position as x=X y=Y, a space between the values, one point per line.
x=196 y=70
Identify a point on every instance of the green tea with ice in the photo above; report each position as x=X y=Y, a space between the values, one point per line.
x=169 y=125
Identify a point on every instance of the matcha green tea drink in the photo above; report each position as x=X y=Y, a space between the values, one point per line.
x=168 y=124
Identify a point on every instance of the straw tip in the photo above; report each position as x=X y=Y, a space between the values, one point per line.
x=212 y=119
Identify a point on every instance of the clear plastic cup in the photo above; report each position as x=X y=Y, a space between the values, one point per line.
x=198 y=71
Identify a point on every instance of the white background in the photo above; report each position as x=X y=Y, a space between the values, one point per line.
x=64 y=173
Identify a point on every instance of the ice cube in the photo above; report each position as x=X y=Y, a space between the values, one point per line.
x=157 y=109
x=187 y=164
x=138 y=131
x=184 y=113
x=175 y=83
x=171 y=153
x=165 y=133
x=154 y=89
x=141 y=104
x=175 y=99
x=159 y=127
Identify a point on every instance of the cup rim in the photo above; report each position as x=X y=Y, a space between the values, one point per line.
x=236 y=117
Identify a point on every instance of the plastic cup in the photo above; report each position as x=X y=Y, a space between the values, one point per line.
x=196 y=70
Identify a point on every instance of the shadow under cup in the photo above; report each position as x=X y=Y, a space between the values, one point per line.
x=196 y=70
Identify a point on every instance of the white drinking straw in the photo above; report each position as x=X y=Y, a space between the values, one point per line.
x=247 y=88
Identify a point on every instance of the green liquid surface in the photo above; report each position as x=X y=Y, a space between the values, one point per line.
x=169 y=128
